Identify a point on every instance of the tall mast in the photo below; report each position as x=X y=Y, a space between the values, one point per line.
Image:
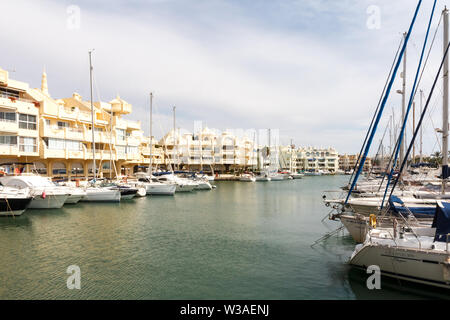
x=92 y=117
x=151 y=135
x=421 y=108
x=445 y=106
x=175 y=154
x=402 y=146
x=414 y=131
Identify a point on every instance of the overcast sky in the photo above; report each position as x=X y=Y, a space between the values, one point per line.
x=314 y=69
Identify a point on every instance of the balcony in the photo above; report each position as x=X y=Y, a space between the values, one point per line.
x=133 y=141
x=10 y=150
x=68 y=113
x=74 y=134
x=9 y=126
x=84 y=116
x=133 y=125
x=14 y=103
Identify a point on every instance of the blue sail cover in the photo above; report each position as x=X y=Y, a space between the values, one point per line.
x=418 y=212
x=441 y=221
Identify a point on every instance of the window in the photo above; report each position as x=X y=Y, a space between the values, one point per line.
x=132 y=149
x=55 y=144
x=61 y=144
x=8 y=116
x=8 y=140
x=74 y=145
x=47 y=122
x=120 y=134
x=27 y=121
x=27 y=144
x=120 y=149
x=62 y=125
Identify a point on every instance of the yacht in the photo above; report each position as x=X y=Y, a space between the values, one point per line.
x=13 y=202
x=100 y=194
x=417 y=255
x=297 y=175
x=263 y=177
x=126 y=192
x=182 y=184
x=247 y=177
x=155 y=187
x=46 y=195
x=202 y=184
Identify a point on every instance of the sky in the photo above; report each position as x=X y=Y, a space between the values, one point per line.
x=311 y=69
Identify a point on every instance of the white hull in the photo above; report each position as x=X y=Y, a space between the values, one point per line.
x=424 y=266
x=262 y=179
x=161 y=189
x=73 y=199
x=357 y=227
x=203 y=185
x=247 y=179
x=101 y=195
x=49 y=202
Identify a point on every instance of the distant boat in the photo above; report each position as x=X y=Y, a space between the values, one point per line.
x=97 y=194
x=297 y=175
x=247 y=177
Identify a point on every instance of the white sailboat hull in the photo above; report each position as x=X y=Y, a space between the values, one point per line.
x=421 y=266
x=51 y=201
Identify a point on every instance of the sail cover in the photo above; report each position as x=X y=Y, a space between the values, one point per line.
x=441 y=221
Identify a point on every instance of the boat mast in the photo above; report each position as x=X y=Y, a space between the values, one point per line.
x=174 y=141
x=151 y=136
x=403 y=92
x=413 y=131
x=445 y=106
x=92 y=117
x=421 y=108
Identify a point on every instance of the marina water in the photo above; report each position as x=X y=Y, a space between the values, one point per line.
x=239 y=241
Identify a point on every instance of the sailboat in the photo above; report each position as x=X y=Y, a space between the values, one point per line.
x=96 y=193
x=415 y=254
x=151 y=184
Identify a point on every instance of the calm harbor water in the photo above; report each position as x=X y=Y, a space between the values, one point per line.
x=239 y=241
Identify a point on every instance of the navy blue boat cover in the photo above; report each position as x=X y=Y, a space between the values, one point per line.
x=441 y=221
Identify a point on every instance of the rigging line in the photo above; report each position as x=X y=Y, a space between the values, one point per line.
x=383 y=104
x=411 y=99
x=435 y=133
x=420 y=121
x=429 y=52
x=376 y=110
x=380 y=146
x=389 y=167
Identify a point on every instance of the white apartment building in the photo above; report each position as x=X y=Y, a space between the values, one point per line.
x=208 y=151
x=315 y=159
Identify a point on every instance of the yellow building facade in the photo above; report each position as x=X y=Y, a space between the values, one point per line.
x=55 y=135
